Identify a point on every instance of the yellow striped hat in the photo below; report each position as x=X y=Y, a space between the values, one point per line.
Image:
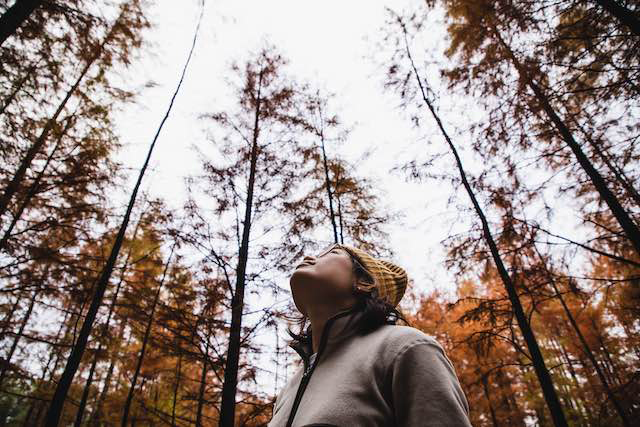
x=390 y=279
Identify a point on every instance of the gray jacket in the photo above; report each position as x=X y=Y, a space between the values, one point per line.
x=394 y=376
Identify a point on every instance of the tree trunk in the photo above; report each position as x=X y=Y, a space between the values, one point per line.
x=6 y=322
x=584 y=402
x=541 y=370
x=57 y=402
x=105 y=331
x=16 y=340
x=624 y=15
x=35 y=402
x=328 y=184
x=17 y=88
x=585 y=347
x=227 y=407
x=145 y=340
x=94 y=420
x=11 y=20
x=339 y=213
x=628 y=226
x=25 y=164
x=203 y=382
x=175 y=391
x=33 y=189
x=618 y=173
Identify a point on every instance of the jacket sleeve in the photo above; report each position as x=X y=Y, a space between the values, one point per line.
x=425 y=388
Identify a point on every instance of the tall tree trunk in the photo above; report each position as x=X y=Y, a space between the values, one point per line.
x=57 y=402
x=617 y=172
x=203 y=383
x=7 y=363
x=94 y=420
x=607 y=355
x=544 y=377
x=175 y=390
x=339 y=212
x=227 y=407
x=628 y=226
x=624 y=15
x=328 y=184
x=105 y=331
x=11 y=20
x=584 y=402
x=585 y=346
x=36 y=147
x=145 y=340
x=35 y=402
x=6 y=322
x=33 y=189
x=18 y=87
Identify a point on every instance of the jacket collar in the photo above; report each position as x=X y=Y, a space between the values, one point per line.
x=338 y=327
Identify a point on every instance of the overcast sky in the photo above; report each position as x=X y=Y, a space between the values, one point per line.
x=327 y=43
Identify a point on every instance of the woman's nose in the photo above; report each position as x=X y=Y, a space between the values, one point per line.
x=308 y=258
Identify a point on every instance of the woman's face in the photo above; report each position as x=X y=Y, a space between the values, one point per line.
x=325 y=279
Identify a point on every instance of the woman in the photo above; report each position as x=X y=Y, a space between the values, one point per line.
x=360 y=368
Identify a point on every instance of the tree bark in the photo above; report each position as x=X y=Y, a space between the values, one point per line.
x=33 y=189
x=17 y=88
x=203 y=381
x=628 y=226
x=13 y=18
x=16 y=340
x=145 y=340
x=328 y=183
x=57 y=402
x=585 y=347
x=94 y=420
x=105 y=331
x=544 y=377
x=227 y=407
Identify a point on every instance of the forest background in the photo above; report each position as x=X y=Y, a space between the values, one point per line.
x=339 y=121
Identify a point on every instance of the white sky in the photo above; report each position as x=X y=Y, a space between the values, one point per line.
x=327 y=43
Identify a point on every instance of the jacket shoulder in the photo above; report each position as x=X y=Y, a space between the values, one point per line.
x=396 y=338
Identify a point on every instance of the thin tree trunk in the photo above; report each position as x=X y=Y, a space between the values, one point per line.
x=7 y=321
x=17 y=88
x=33 y=189
x=584 y=402
x=105 y=330
x=624 y=15
x=55 y=409
x=339 y=213
x=328 y=184
x=619 y=174
x=145 y=340
x=13 y=18
x=485 y=389
x=175 y=390
x=16 y=340
x=203 y=378
x=628 y=226
x=546 y=382
x=35 y=403
x=36 y=147
x=94 y=420
x=227 y=407
x=613 y=370
x=585 y=345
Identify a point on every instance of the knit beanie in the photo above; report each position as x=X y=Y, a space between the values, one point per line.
x=389 y=279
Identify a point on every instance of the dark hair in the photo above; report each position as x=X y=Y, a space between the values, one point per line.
x=376 y=311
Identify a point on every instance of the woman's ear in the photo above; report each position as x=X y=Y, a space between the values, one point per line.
x=364 y=286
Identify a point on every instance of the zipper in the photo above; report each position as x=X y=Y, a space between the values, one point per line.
x=310 y=368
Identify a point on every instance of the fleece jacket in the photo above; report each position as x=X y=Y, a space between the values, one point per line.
x=395 y=375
